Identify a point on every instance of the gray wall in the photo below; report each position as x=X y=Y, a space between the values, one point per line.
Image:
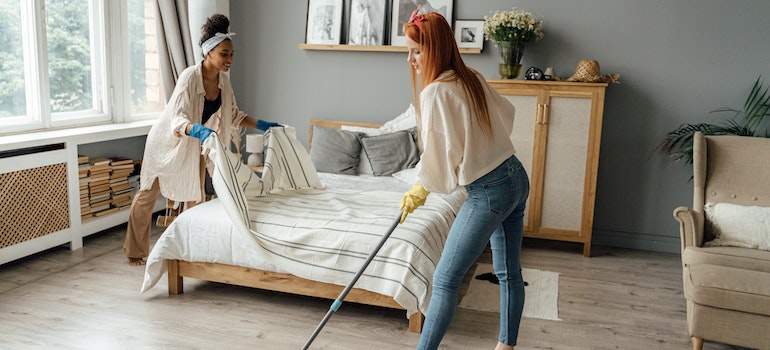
x=677 y=60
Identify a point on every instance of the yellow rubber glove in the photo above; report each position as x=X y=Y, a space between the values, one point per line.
x=414 y=198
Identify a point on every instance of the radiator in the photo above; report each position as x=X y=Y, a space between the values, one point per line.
x=33 y=203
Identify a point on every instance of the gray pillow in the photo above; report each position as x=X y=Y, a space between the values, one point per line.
x=392 y=152
x=335 y=151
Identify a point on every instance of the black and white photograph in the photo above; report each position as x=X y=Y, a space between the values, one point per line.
x=324 y=22
x=469 y=33
x=403 y=9
x=367 y=22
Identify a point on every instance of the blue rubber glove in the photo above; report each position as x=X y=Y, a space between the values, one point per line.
x=264 y=125
x=200 y=131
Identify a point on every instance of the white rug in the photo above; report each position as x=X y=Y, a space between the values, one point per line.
x=541 y=300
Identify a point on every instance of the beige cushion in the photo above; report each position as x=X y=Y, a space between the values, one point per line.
x=728 y=288
x=742 y=258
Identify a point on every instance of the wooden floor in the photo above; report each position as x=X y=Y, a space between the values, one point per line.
x=89 y=299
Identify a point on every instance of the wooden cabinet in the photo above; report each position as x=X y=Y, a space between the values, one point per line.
x=557 y=132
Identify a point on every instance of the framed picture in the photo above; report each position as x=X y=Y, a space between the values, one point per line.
x=367 y=22
x=403 y=9
x=469 y=33
x=324 y=22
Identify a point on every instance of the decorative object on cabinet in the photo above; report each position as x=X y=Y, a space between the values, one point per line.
x=512 y=31
x=549 y=74
x=534 y=73
x=678 y=143
x=403 y=9
x=557 y=135
x=255 y=145
x=588 y=71
x=469 y=33
x=324 y=22
x=367 y=22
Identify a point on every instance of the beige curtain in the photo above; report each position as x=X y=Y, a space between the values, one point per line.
x=174 y=41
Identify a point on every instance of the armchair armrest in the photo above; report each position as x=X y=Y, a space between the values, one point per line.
x=690 y=226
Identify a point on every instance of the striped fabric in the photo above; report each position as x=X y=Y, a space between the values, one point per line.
x=287 y=167
x=319 y=234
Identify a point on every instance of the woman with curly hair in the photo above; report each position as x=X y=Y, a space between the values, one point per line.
x=203 y=102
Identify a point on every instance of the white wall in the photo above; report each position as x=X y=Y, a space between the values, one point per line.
x=677 y=59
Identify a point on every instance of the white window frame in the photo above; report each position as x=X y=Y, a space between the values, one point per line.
x=110 y=71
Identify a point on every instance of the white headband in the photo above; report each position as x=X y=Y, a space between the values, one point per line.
x=213 y=41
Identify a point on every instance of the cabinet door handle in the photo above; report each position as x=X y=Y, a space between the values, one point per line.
x=545 y=113
x=538 y=114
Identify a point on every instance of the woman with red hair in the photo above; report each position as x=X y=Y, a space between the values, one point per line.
x=464 y=130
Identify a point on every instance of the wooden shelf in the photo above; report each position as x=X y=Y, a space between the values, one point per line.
x=362 y=48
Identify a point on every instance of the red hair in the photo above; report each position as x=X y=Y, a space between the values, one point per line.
x=440 y=53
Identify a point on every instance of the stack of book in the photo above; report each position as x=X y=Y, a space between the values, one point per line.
x=104 y=185
x=84 y=166
x=122 y=167
x=99 y=192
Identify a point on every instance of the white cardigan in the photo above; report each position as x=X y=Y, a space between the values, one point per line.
x=455 y=152
x=172 y=156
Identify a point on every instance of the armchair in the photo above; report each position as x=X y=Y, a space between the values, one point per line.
x=727 y=288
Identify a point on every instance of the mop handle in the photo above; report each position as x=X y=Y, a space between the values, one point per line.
x=338 y=302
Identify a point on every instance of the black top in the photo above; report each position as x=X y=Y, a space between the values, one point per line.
x=210 y=107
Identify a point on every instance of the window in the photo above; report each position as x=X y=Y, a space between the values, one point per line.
x=73 y=62
x=146 y=92
x=12 y=97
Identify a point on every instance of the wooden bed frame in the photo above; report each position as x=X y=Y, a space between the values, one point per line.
x=281 y=282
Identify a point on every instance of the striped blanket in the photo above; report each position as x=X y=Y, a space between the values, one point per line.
x=318 y=234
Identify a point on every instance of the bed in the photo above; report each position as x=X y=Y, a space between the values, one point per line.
x=312 y=241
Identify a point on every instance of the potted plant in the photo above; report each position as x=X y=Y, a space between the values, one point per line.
x=744 y=122
x=511 y=31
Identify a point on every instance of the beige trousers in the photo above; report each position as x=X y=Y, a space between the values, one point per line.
x=137 y=244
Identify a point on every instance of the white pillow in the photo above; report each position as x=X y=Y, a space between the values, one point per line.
x=404 y=121
x=739 y=225
x=408 y=176
x=364 y=166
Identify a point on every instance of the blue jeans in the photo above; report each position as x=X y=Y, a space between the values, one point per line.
x=494 y=213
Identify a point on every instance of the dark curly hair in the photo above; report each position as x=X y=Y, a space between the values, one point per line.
x=217 y=23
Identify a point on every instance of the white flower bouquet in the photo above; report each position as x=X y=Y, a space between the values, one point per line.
x=513 y=26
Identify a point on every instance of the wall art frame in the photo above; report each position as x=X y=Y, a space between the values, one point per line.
x=402 y=10
x=324 y=22
x=368 y=22
x=469 y=33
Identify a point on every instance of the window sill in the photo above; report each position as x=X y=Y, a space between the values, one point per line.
x=79 y=135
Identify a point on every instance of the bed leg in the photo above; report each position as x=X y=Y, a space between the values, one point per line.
x=175 y=283
x=416 y=321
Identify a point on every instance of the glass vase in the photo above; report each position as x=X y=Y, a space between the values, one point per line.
x=511 y=53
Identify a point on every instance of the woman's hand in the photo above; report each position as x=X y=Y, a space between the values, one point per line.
x=264 y=125
x=199 y=131
x=413 y=199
